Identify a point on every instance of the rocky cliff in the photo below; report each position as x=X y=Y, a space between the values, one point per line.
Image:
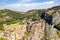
x=37 y=29
x=52 y=18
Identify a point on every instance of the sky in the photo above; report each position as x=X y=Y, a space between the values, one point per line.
x=25 y=5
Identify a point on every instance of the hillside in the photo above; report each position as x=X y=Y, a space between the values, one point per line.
x=11 y=13
x=9 y=17
x=38 y=24
x=55 y=8
x=35 y=13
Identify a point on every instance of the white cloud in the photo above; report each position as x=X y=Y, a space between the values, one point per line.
x=31 y=4
x=25 y=7
x=26 y=0
x=50 y=2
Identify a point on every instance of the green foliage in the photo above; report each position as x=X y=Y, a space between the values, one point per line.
x=58 y=33
x=58 y=25
x=3 y=39
x=11 y=13
x=55 y=8
x=27 y=33
x=34 y=13
x=1 y=27
x=12 y=26
x=10 y=22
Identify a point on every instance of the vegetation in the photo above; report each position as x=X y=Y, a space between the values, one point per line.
x=34 y=13
x=1 y=27
x=10 y=22
x=3 y=38
x=55 y=8
x=58 y=33
x=27 y=33
x=12 y=14
x=58 y=26
x=15 y=25
x=11 y=17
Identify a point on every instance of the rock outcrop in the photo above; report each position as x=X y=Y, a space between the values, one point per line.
x=51 y=17
x=41 y=29
x=37 y=31
x=14 y=34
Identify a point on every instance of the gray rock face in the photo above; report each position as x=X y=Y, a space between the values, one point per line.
x=56 y=17
x=17 y=33
x=37 y=31
x=51 y=32
x=52 y=16
x=40 y=30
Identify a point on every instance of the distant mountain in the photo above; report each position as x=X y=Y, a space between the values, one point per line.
x=11 y=14
x=30 y=14
x=45 y=27
x=55 y=7
x=7 y=14
x=52 y=16
x=10 y=17
x=35 y=13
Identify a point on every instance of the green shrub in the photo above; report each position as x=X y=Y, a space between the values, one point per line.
x=1 y=27
x=27 y=33
x=57 y=26
x=10 y=22
x=3 y=39
x=58 y=33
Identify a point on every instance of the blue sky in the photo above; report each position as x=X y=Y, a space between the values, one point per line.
x=25 y=5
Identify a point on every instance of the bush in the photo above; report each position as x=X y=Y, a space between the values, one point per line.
x=3 y=39
x=27 y=33
x=10 y=22
x=58 y=33
x=57 y=26
x=1 y=27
